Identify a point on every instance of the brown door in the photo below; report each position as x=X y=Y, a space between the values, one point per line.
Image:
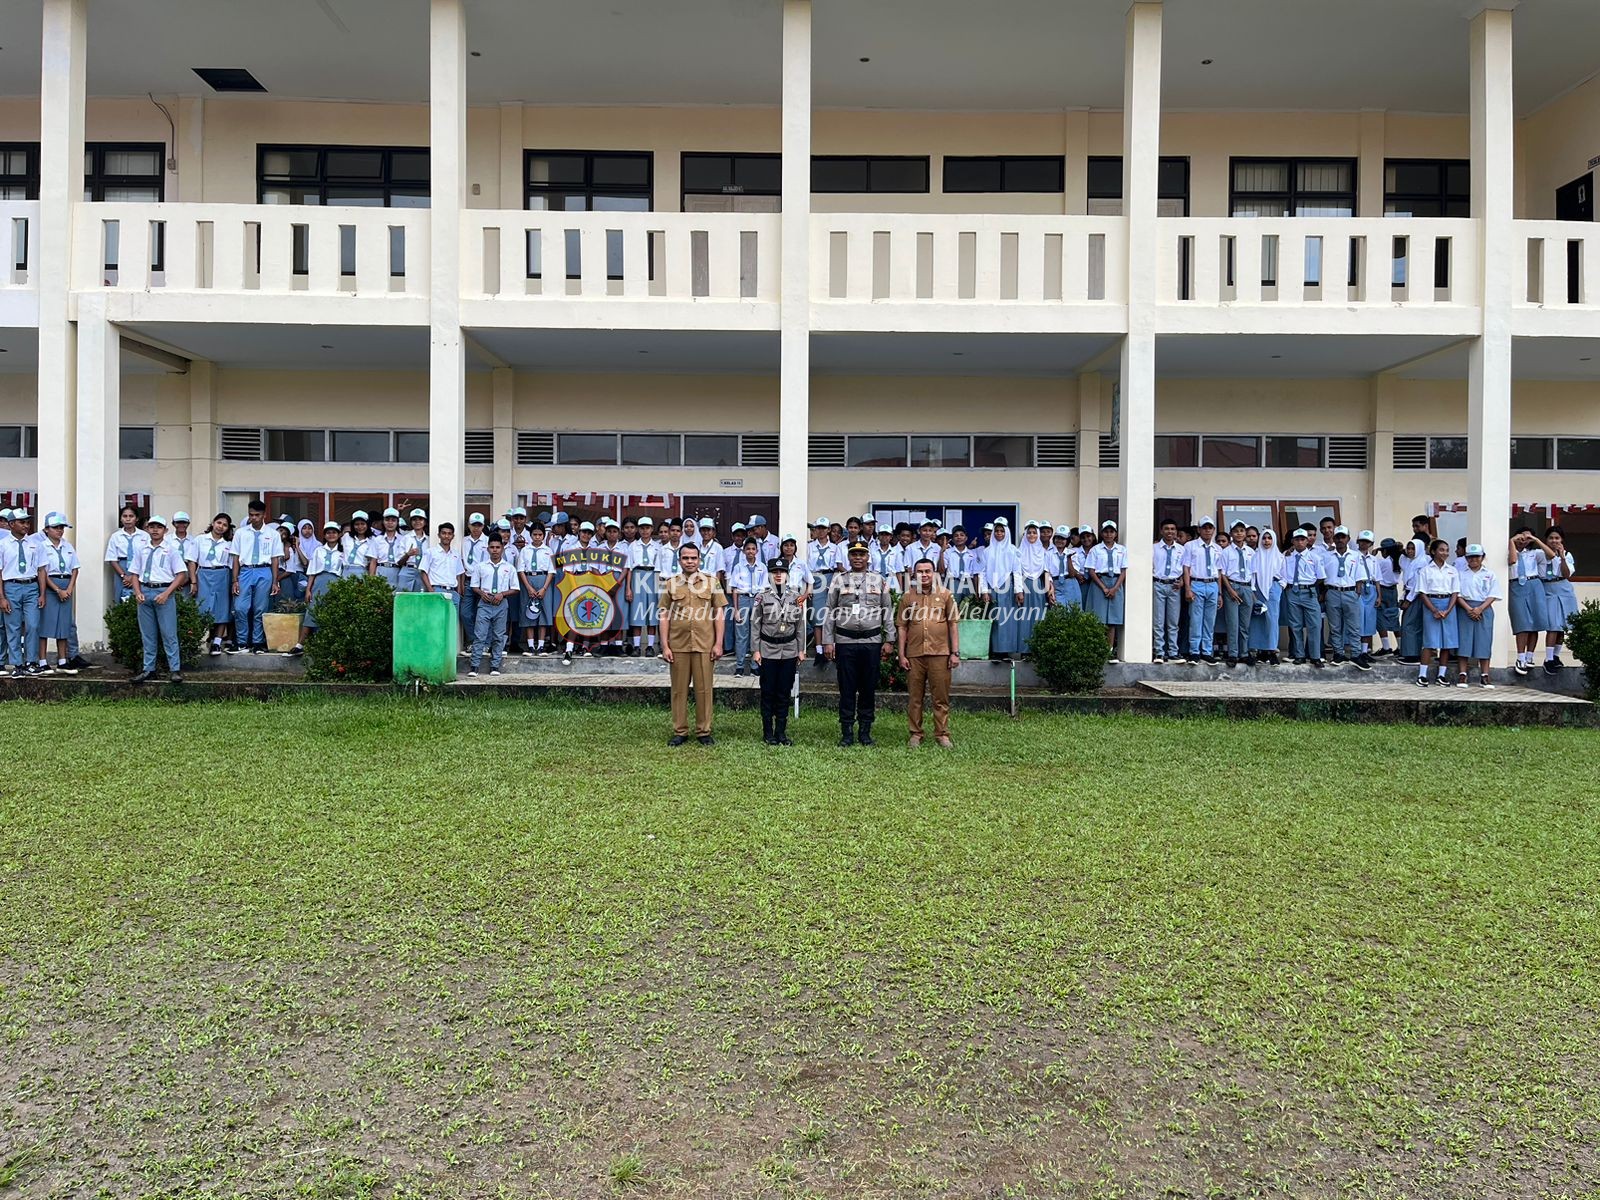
x=342 y=504
x=299 y=506
x=725 y=510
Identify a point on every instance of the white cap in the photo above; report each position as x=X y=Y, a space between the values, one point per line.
x=737 y=526
x=822 y=521
x=1030 y=525
x=475 y=519
x=391 y=512
x=1474 y=551
x=1299 y=533
x=1365 y=536
x=788 y=537
x=1344 y=529
x=650 y=521
x=285 y=526
x=865 y=517
x=156 y=519
x=589 y=525
x=988 y=524
x=519 y=511
x=707 y=523
x=758 y=520
x=360 y=512
x=1085 y=529
x=502 y=524
x=420 y=512
x=327 y=525
x=1000 y=523
x=51 y=520
x=1063 y=530
x=180 y=515
x=1108 y=524
x=6 y=514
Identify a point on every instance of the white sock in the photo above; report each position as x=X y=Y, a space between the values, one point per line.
x=61 y=662
x=1422 y=671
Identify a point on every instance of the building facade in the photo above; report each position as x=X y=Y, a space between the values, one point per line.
x=1061 y=261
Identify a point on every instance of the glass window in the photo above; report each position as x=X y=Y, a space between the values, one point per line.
x=707 y=173
x=710 y=449
x=651 y=449
x=355 y=164
x=875 y=452
x=586 y=449
x=1230 y=452
x=1447 y=453
x=1294 y=452
x=571 y=180
x=122 y=171
x=1030 y=173
x=1105 y=186
x=373 y=175
x=10 y=441
x=361 y=445
x=1427 y=187
x=1532 y=454
x=1307 y=187
x=974 y=175
x=937 y=451
x=1578 y=454
x=136 y=442
x=1177 y=450
x=1580 y=530
x=296 y=445
x=1002 y=450
x=845 y=173
x=411 y=446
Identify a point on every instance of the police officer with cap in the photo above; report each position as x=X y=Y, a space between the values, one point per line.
x=777 y=634
x=856 y=633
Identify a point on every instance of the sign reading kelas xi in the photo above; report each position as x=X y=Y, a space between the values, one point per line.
x=589 y=592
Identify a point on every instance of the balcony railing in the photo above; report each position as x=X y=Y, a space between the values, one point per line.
x=19 y=243
x=687 y=257
x=1308 y=261
x=1559 y=264
x=967 y=258
x=259 y=248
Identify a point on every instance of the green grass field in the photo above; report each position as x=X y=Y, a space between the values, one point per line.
x=340 y=948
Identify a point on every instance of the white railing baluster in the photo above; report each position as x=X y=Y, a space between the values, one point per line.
x=1030 y=265
x=903 y=261
x=987 y=266
x=277 y=248
x=635 y=262
x=722 y=260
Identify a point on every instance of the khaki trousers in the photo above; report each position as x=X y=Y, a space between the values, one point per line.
x=929 y=670
x=690 y=667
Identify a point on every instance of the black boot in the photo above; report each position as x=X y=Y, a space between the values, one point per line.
x=780 y=729
x=766 y=730
x=846 y=736
x=866 y=736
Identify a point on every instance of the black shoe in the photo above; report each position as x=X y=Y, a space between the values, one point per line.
x=738 y=670
x=847 y=738
x=1422 y=681
x=1299 y=662
x=257 y=649
x=1520 y=667
x=1555 y=662
x=142 y=677
x=782 y=734
x=1551 y=667
x=80 y=662
x=677 y=739
x=1232 y=662
x=706 y=739
x=1363 y=662
x=770 y=739
x=231 y=648
x=866 y=737
x=1317 y=663
x=32 y=670
x=1212 y=659
x=175 y=677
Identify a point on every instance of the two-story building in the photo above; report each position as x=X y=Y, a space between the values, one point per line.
x=1056 y=259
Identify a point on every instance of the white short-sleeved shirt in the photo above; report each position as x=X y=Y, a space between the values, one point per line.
x=1302 y=567
x=59 y=558
x=19 y=559
x=1239 y=563
x=1531 y=563
x=494 y=577
x=916 y=552
x=156 y=566
x=473 y=549
x=326 y=560
x=536 y=560
x=387 y=551
x=1345 y=570
x=1202 y=565
x=1552 y=569
x=293 y=562
x=256 y=547
x=1477 y=586
x=1166 y=561
x=1108 y=560
x=747 y=577
x=1433 y=580
x=120 y=545
x=442 y=567
x=187 y=546
x=212 y=551
x=961 y=563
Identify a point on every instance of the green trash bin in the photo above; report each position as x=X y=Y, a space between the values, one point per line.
x=973 y=635
x=427 y=637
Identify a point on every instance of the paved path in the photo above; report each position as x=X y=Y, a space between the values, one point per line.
x=1335 y=689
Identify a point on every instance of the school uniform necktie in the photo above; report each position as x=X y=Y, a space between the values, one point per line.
x=1294 y=569
x=1208 y=560
x=22 y=555
x=1169 y=562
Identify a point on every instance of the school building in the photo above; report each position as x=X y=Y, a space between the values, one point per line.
x=1059 y=259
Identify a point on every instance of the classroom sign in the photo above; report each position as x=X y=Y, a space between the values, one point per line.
x=588 y=591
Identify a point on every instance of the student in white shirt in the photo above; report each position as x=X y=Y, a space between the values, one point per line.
x=642 y=591
x=1038 y=591
x=1166 y=558
x=157 y=572
x=1237 y=577
x=473 y=549
x=1302 y=571
x=256 y=556
x=1413 y=558
x=324 y=566
x=537 y=572
x=1386 y=574
x=292 y=571
x=388 y=551
x=1434 y=590
x=410 y=575
x=1004 y=585
x=119 y=549
x=1202 y=568
x=213 y=554
x=1266 y=622
x=1475 y=617
x=496 y=584
x=1107 y=570
x=1347 y=580
x=1560 y=598
x=441 y=567
x=748 y=577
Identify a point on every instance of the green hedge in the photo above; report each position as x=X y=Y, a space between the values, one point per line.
x=1070 y=650
x=1583 y=636
x=354 y=638
x=122 y=634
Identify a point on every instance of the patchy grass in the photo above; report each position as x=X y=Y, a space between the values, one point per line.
x=336 y=948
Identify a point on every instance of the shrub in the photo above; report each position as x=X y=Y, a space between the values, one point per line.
x=1069 y=650
x=1583 y=636
x=892 y=676
x=122 y=634
x=354 y=638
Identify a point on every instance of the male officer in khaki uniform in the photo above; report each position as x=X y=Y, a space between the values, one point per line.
x=928 y=650
x=691 y=641
x=855 y=635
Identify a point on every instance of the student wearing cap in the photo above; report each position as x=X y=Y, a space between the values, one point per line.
x=158 y=573
x=357 y=545
x=857 y=619
x=821 y=562
x=711 y=550
x=961 y=569
x=409 y=577
x=495 y=581
x=1369 y=594
x=1434 y=591
x=769 y=542
x=1386 y=574
x=474 y=548
x=58 y=583
x=642 y=590
x=1064 y=587
x=21 y=565
x=324 y=567
x=1037 y=592
x=213 y=582
x=1202 y=567
x=777 y=638
x=928 y=644
x=561 y=537
x=1479 y=590
x=1560 y=598
x=1167 y=572
x=1107 y=566
x=1002 y=580
x=881 y=553
x=1412 y=559
x=924 y=549
x=745 y=582
x=692 y=613
x=1265 y=622
x=1302 y=572
x=536 y=570
x=1346 y=569
x=255 y=556
x=119 y=549
x=291 y=572
x=388 y=549
x=185 y=544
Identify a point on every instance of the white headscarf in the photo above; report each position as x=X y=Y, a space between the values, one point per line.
x=1030 y=555
x=1269 y=561
x=308 y=545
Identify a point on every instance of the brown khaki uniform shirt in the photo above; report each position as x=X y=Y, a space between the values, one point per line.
x=691 y=604
x=926 y=617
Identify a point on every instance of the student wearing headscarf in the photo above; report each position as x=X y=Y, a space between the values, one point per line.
x=1032 y=556
x=1002 y=579
x=306 y=528
x=1265 y=619
x=1414 y=559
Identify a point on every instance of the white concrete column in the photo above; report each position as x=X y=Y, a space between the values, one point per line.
x=511 y=148
x=1090 y=422
x=447 y=364
x=1141 y=157
x=94 y=513
x=1489 y=359
x=203 y=497
x=61 y=100
x=1369 y=166
x=794 y=308
x=1380 y=471
x=1075 y=146
x=505 y=438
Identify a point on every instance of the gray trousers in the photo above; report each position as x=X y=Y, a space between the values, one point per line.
x=1236 y=618
x=1344 y=621
x=490 y=634
x=1305 y=621
x=159 y=621
x=1164 y=619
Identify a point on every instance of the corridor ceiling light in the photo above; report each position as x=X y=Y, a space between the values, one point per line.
x=477 y=54
x=1206 y=62
x=327 y=347
x=229 y=79
x=866 y=60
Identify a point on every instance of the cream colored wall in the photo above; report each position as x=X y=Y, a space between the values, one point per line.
x=1555 y=145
